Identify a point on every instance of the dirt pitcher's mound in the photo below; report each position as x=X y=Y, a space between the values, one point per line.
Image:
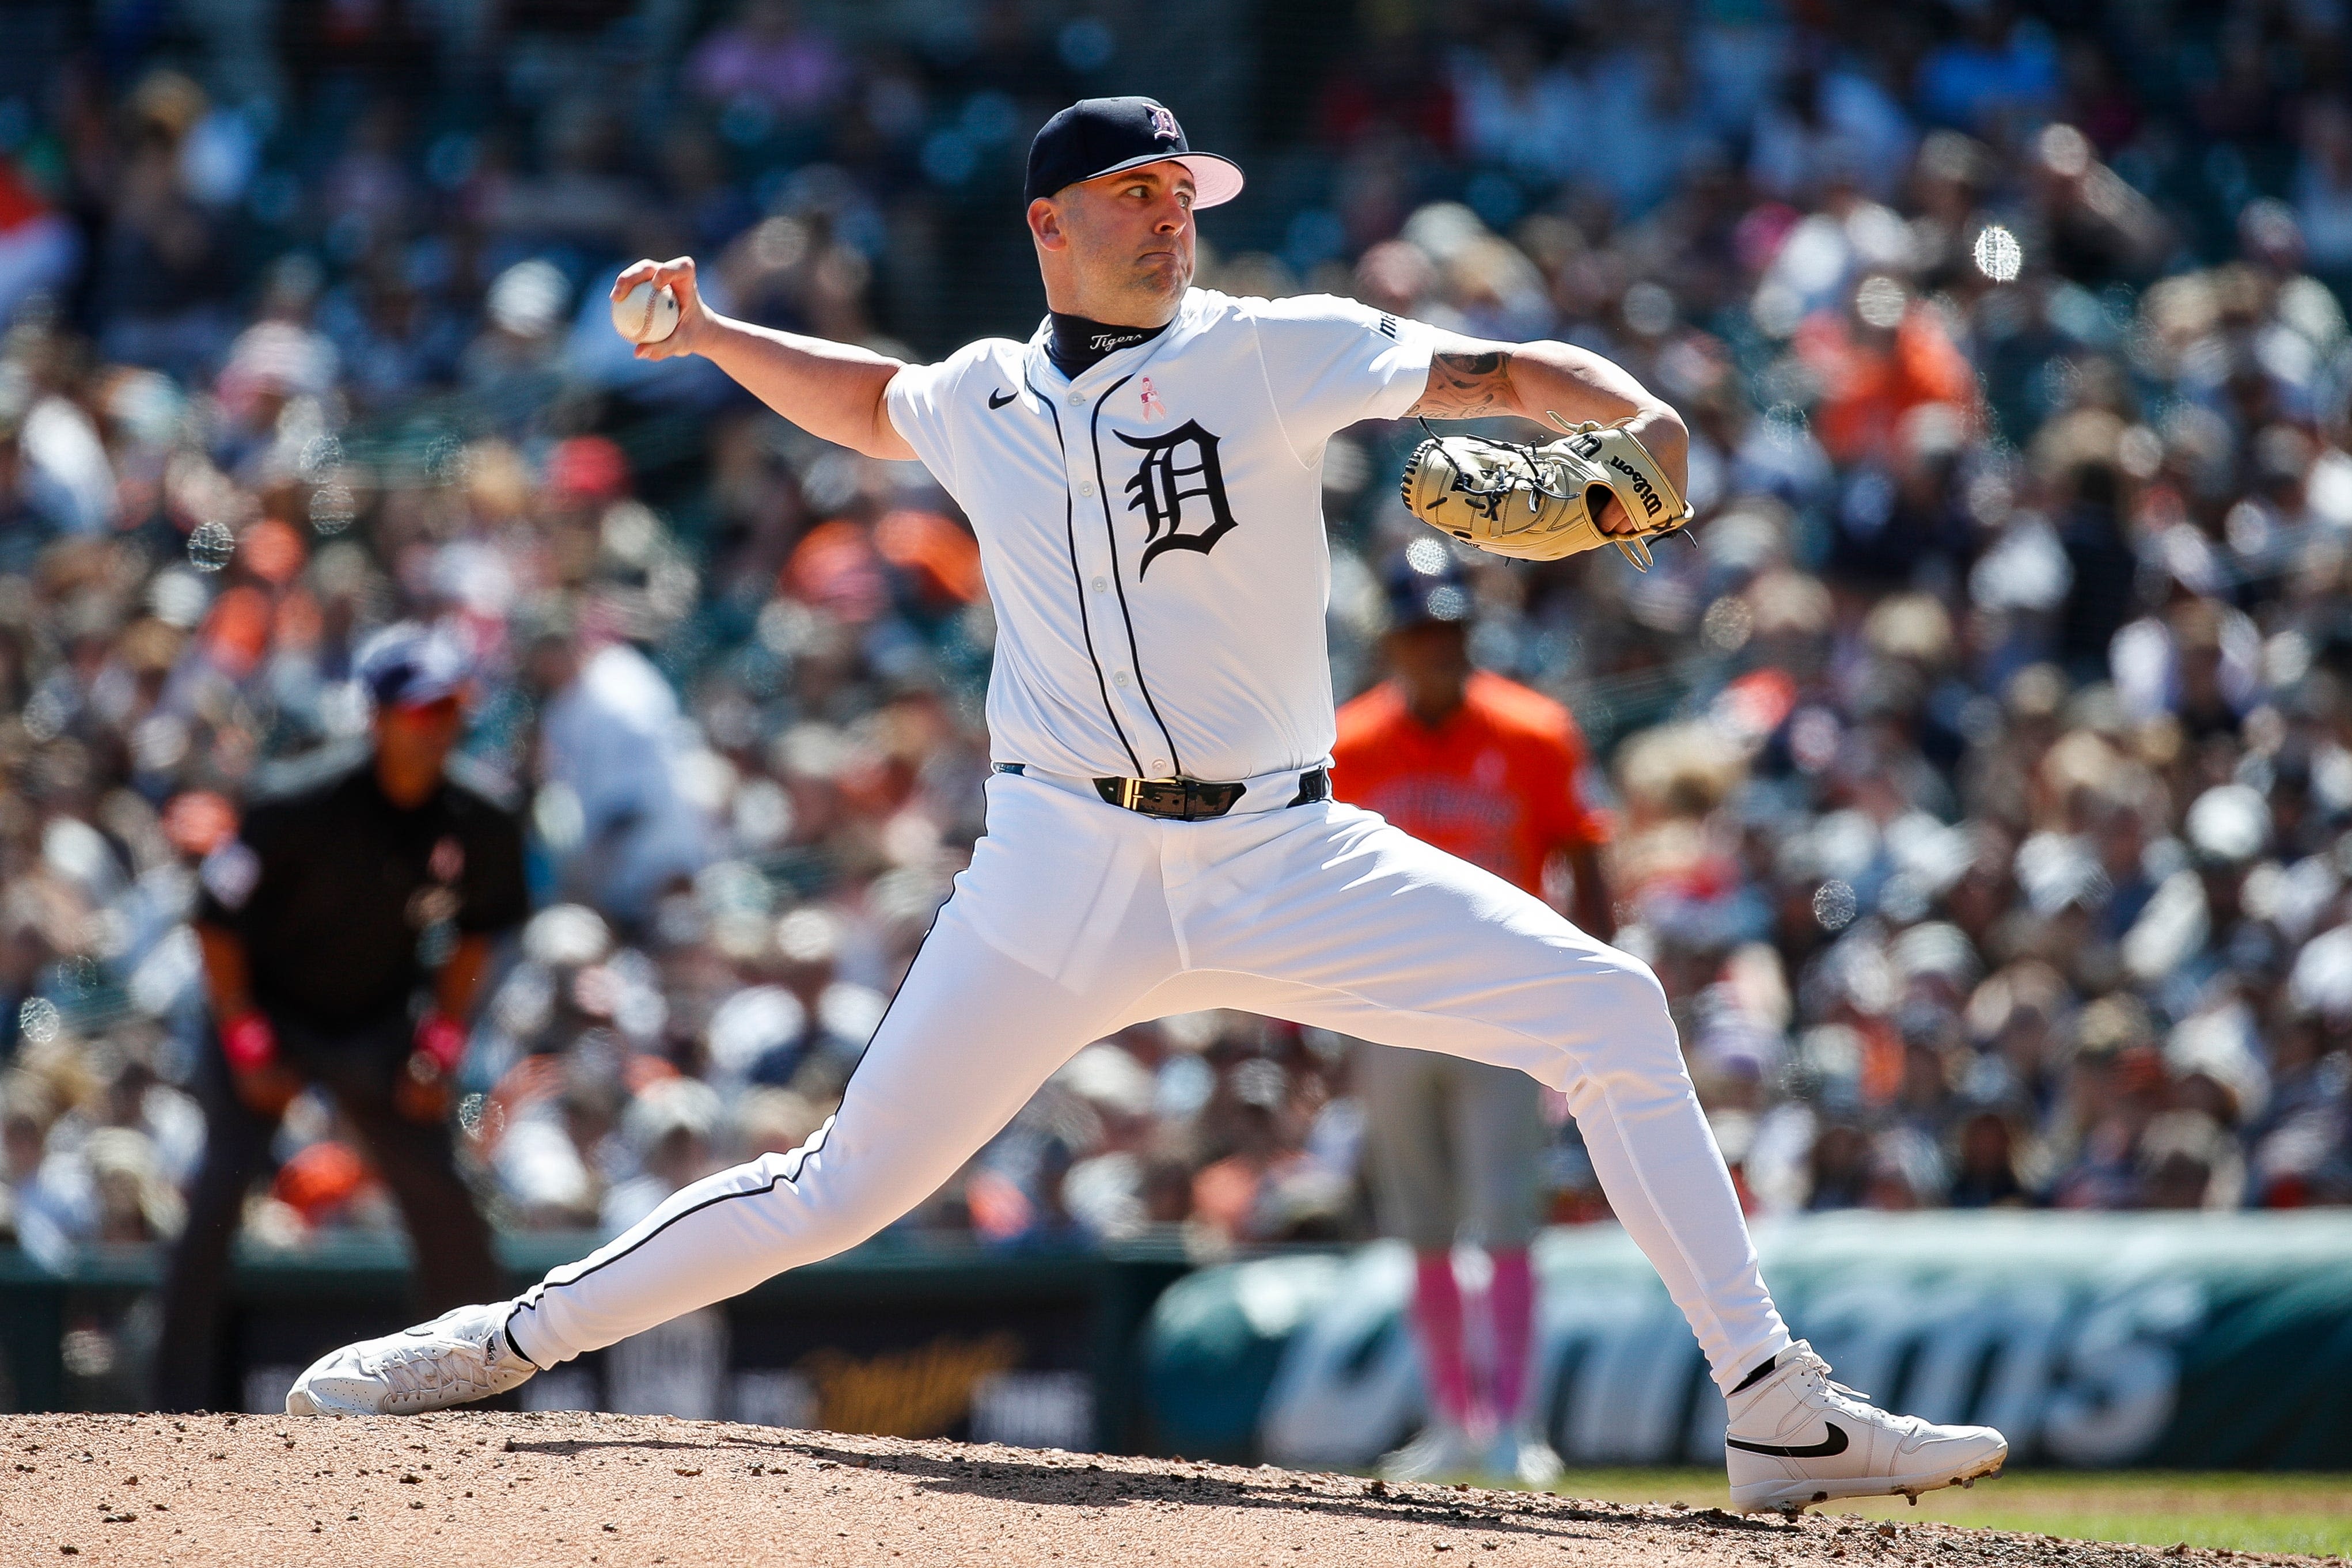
x=462 y=1489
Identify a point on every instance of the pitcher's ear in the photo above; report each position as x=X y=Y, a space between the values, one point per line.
x=1045 y=224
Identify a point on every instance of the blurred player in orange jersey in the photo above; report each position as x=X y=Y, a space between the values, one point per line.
x=1486 y=770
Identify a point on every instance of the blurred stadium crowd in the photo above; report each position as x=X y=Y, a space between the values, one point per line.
x=1982 y=765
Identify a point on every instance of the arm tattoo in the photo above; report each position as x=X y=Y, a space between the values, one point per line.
x=1467 y=385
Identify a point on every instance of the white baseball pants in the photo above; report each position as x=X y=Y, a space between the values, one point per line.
x=1077 y=919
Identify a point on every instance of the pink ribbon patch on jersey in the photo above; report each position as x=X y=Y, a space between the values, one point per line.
x=1153 y=407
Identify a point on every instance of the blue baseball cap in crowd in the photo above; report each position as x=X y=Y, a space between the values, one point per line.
x=1099 y=136
x=1425 y=584
x=409 y=665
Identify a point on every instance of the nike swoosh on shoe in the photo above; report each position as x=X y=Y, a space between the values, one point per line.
x=1835 y=1443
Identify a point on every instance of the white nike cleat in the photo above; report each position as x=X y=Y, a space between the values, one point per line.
x=1796 y=1438
x=1518 y=1459
x=458 y=1357
x=1442 y=1451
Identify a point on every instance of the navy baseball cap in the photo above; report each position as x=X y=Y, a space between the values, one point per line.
x=409 y=665
x=1426 y=584
x=1099 y=136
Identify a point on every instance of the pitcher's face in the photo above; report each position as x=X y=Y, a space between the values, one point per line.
x=1122 y=243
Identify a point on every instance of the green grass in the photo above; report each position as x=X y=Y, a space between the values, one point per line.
x=2243 y=1512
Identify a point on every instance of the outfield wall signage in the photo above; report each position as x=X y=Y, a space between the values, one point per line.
x=2093 y=1341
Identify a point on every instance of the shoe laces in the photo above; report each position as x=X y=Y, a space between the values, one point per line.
x=1812 y=1368
x=1850 y=1401
x=458 y=1367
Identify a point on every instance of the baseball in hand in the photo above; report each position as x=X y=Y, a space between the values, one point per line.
x=645 y=314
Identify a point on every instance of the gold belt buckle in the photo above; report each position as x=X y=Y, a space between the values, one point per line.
x=1131 y=793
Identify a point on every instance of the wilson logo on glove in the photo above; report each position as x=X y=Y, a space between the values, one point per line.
x=1650 y=502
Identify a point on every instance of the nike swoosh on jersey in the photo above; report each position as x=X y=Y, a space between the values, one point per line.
x=1835 y=1443
x=999 y=399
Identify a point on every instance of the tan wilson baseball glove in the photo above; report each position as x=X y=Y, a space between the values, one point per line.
x=1542 y=503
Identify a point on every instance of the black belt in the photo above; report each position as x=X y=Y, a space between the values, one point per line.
x=1188 y=799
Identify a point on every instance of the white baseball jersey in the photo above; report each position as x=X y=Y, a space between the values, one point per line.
x=1151 y=532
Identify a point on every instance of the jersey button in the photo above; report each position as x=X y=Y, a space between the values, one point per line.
x=1077 y=400
x=1101 y=584
x=1160 y=767
x=1120 y=679
x=1086 y=487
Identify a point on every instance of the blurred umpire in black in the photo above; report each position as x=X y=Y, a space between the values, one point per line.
x=346 y=930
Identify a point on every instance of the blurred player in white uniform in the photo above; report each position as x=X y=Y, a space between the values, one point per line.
x=1144 y=478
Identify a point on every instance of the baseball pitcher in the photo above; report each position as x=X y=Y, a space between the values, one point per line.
x=1144 y=476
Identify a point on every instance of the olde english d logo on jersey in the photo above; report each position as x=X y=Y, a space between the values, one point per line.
x=1177 y=467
